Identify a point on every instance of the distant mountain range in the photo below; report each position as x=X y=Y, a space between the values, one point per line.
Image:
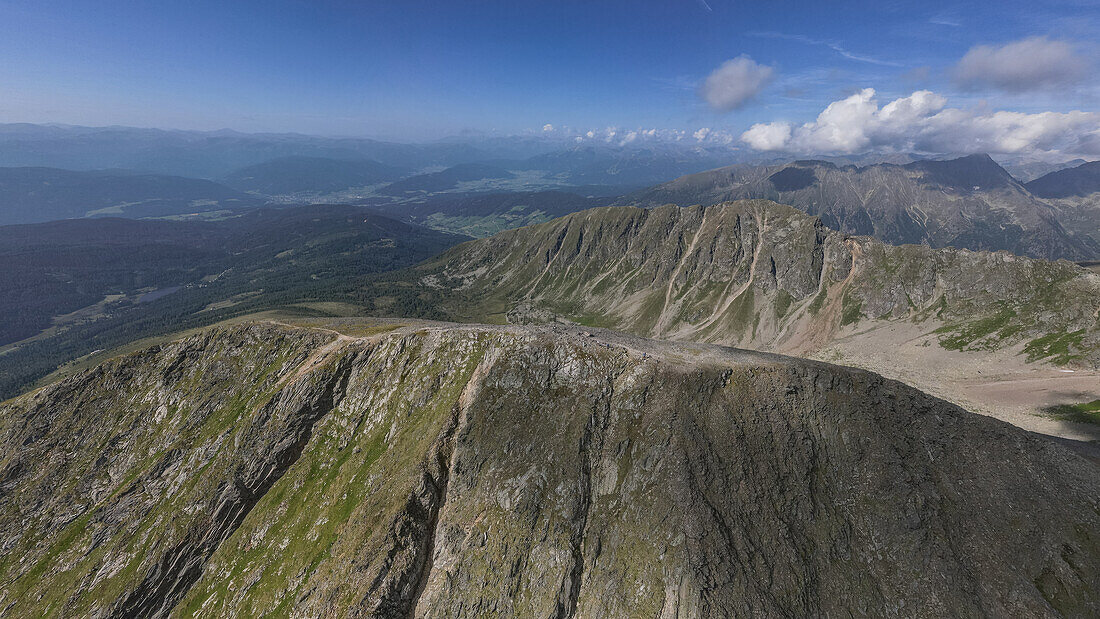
x=450 y=178
x=1078 y=181
x=30 y=195
x=215 y=154
x=1075 y=194
x=218 y=154
x=970 y=202
x=1025 y=170
x=481 y=215
x=616 y=169
x=291 y=175
x=634 y=166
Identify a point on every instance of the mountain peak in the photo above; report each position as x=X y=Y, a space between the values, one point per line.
x=969 y=202
x=1079 y=181
x=969 y=173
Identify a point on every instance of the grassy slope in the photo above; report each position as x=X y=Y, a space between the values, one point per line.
x=199 y=415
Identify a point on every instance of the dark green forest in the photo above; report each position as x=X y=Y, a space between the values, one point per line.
x=262 y=259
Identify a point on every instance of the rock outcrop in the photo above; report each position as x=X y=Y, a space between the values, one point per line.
x=443 y=470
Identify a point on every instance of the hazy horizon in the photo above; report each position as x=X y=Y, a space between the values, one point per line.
x=1015 y=78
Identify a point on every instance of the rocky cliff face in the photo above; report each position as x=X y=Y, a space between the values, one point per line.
x=969 y=203
x=759 y=274
x=525 y=471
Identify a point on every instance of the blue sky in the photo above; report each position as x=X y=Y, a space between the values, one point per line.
x=421 y=70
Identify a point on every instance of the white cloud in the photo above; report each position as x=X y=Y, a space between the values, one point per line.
x=922 y=122
x=735 y=83
x=768 y=136
x=1034 y=63
x=547 y=128
x=843 y=124
x=620 y=136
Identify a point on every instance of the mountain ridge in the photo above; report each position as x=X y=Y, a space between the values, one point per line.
x=970 y=202
x=265 y=469
x=298 y=174
x=759 y=274
x=1075 y=193
x=39 y=194
x=1077 y=181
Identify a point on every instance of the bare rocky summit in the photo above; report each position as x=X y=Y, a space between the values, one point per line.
x=444 y=470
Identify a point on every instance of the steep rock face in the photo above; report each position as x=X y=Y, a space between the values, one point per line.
x=969 y=203
x=454 y=471
x=763 y=275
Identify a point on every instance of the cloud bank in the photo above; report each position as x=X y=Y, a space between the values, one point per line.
x=619 y=137
x=735 y=83
x=922 y=122
x=1035 y=63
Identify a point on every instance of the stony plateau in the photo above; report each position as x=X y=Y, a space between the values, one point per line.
x=444 y=470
